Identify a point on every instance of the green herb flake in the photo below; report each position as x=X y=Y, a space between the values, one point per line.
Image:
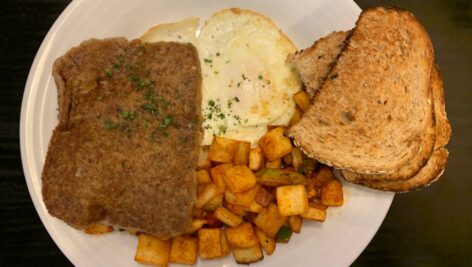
x=209 y=61
x=218 y=54
x=109 y=125
x=168 y=120
x=227 y=61
x=109 y=73
x=260 y=77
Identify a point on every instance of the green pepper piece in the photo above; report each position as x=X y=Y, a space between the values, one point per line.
x=278 y=177
x=283 y=235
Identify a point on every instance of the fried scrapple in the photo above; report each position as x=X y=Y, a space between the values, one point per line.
x=126 y=146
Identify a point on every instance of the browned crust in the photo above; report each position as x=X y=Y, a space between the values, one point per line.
x=93 y=174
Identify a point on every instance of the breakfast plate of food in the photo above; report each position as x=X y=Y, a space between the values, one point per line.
x=218 y=133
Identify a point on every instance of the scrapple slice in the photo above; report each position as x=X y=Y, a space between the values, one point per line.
x=126 y=146
x=370 y=112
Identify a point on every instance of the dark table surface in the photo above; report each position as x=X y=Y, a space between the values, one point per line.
x=432 y=227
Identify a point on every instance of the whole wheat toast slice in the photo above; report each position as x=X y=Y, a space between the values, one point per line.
x=436 y=164
x=314 y=63
x=370 y=112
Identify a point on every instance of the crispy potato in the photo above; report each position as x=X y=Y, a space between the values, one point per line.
x=295 y=223
x=209 y=243
x=222 y=149
x=266 y=242
x=206 y=195
x=197 y=224
x=275 y=144
x=241 y=156
x=225 y=250
x=332 y=193
x=264 y=197
x=217 y=176
x=242 y=236
x=311 y=191
x=291 y=200
x=297 y=158
x=214 y=203
x=248 y=255
x=269 y=220
x=198 y=213
x=276 y=164
x=203 y=160
x=152 y=250
x=287 y=160
x=183 y=250
x=236 y=209
x=254 y=207
x=244 y=198
x=302 y=99
x=203 y=177
x=255 y=159
x=227 y=217
x=296 y=117
x=239 y=178
x=98 y=229
x=323 y=175
x=315 y=212
x=213 y=222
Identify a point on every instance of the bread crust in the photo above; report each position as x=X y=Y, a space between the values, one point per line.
x=340 y=129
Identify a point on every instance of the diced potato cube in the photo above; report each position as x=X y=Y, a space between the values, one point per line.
x=242 y=236
x=225 y=250
x=297 y=158
x=269 y=220
x=239 y=178
x=236 y=209
x=198 y=213
x=98 y=229
x=217 y=176
x=315 y=212
x=152 y=250
x=222 y=149
x=276 y=164
x=197 y=224
x=244 y=198
x=227 y=217
x=287 y=160
x=302 y=99
x=203 y=177
x=203 y=160
x=248 y=255
x=241 y=156
x=295 y=223
x=267 y=243
x=323 y=175
x=291 y=199
x=296 y=117
x=206 y=195
x=183 y=250
x=255 y=159
x=209 y=243
x=254 y=207
x=264 y=197
x=275 y=144
x=311 y=191
x=215 y=202
x=332 y=193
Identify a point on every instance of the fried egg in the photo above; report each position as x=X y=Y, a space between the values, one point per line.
x=247 y=84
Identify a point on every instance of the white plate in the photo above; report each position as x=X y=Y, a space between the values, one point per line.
x=337 y=242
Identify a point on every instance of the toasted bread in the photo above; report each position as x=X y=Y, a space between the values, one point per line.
x=314 y=63
x=371 y=111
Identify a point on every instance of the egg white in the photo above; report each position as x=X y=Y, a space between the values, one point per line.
x=246 y=83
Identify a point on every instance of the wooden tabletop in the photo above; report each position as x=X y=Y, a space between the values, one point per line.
x=432 y=227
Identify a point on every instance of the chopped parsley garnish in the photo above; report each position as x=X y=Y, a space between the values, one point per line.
x=236 y=99
x=109 y=73
x=168 y=120
x=218 y=54
x=109 y=125
x=244 y=77
x=222 y=129
x=216 y=72
x=260 y=77
x=209 y=61
x=128 y=115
